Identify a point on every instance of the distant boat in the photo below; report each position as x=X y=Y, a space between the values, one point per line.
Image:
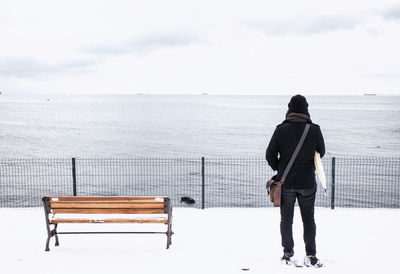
x=139 y=93
x=369 y=94
x=204 y=93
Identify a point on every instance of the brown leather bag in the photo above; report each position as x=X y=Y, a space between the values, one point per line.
x=274 y=188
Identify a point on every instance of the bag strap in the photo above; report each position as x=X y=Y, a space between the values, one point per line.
x=296 y=151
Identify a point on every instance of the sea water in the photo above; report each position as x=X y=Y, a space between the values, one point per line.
x=188 y=125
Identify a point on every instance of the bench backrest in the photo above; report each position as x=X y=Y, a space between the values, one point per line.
x=107 y=205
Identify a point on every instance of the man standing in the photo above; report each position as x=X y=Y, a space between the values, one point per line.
x=300 y=182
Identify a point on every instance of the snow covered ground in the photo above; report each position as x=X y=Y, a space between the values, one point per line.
x=205 y=241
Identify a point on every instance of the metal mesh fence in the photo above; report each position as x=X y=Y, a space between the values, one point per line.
x=23 y=182
x=175 y=178
x=367 y=182
x=210 y=182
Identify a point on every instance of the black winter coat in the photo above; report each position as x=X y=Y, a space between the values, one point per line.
x=284 y=142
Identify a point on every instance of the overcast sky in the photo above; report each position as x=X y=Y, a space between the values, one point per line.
x=190 y=47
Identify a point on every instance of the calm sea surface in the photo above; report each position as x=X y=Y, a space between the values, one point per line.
x=188 y=126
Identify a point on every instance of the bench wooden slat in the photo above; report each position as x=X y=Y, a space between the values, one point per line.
x=106 y=198
x=156 y=221
x=107 y=204
x=108 y=201
x=108 y=211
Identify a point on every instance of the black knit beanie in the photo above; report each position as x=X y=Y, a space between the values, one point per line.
x=298 y=104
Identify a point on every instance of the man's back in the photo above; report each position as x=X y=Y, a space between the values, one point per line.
x=284 y=142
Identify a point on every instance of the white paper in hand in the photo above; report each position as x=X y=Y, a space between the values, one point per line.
x=320 y=171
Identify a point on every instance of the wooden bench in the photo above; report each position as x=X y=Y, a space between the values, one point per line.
x=72 y=209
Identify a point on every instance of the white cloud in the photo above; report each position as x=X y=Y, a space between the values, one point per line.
x=10 y=67
x=252 y=46
x=307 y=25
x=392 y=13
x=141 y=45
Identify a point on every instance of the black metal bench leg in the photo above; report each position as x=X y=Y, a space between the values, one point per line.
x=48 y=242
x=50 y=234
x=169 y=235
x=168 y=210
x=56 y=234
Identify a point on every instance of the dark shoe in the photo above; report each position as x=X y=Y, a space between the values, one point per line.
x=286 y=259
x=312 y=261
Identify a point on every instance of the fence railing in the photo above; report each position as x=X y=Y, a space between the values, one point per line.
x=210 y=182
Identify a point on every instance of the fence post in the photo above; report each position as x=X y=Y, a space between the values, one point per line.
x=203 y=183
x=74 y=176
x=333 y=183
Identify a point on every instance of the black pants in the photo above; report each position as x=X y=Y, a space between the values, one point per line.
x=306 y=200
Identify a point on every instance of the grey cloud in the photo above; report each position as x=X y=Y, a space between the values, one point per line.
x=25 y=67
x=395 y=74
x=142 y=44
x=392 y=13
x=306 y=26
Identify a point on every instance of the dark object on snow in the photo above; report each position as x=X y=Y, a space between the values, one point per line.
x=188 y=200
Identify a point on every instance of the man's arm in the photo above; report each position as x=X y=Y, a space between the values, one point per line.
x=320 y=143
x=271 y=154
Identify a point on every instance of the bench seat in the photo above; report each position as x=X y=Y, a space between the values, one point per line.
x=61 y=221
x=103 y=209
